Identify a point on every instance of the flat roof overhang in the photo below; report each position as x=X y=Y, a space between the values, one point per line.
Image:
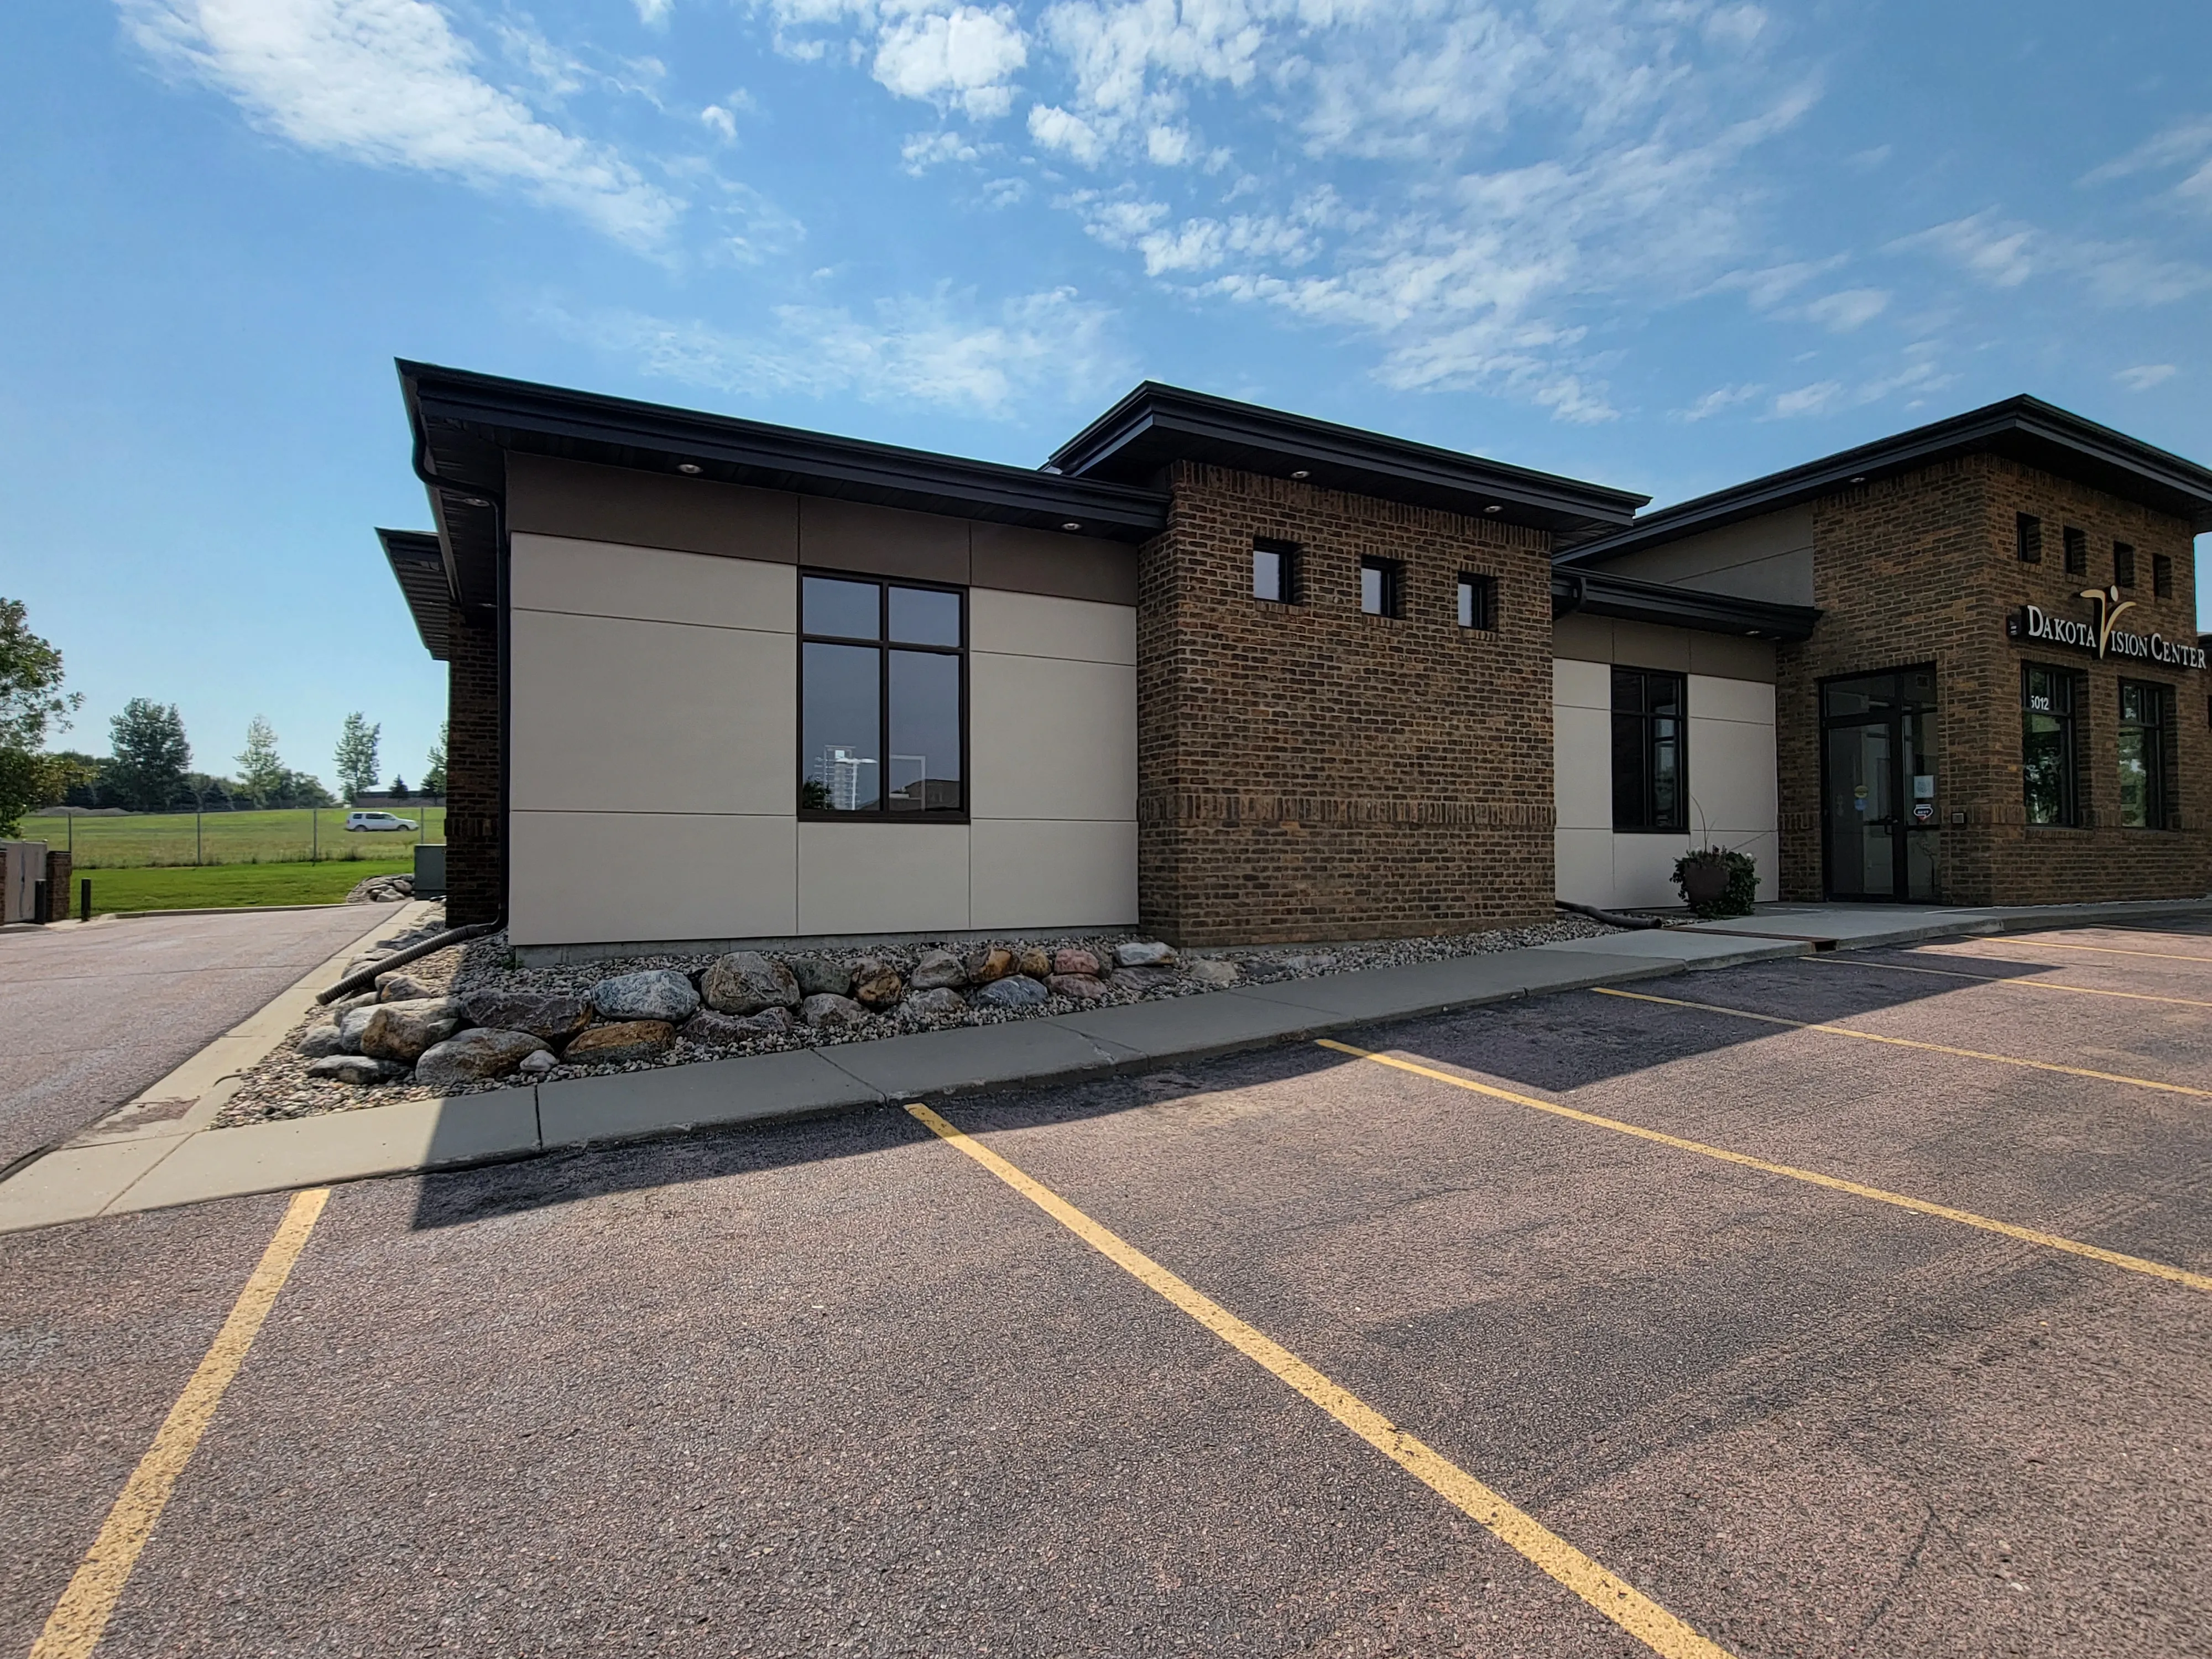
x=2025 y=429
x=466 y=424
x=1156 y=425
x=1596 y=594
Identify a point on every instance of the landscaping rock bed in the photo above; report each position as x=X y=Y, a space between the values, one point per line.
x=463 y=1020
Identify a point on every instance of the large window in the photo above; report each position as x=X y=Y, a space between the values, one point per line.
x=882 y=688
x=2047 y=764
x=1648 y=790
x=2146 y=731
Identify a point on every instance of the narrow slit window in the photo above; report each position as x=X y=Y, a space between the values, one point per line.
x=1650 y=791
x=2028 y=537
x=2161 y=575
x=2124 y=565
x=2077 y=550
x=1478 y=602
x=2146 y=756
x=1275 y=572
x=1382 y=587
x=2048 y=783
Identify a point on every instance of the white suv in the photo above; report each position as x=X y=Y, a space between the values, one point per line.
x=377 y=821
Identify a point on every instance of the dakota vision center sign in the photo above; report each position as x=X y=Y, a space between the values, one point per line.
x=2098 y=636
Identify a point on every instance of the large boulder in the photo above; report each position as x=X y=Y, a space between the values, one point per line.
x=1034 y=960
x=400 y=1031
x=1142 y=953
x=1074 y=961
x=1017 y=991
x=351 y=1024
x=397 y=985
x=357 y=1068
x=556 y=1016
x=657 y=993
x=818 y=977
x=876 y=982
x=937 y=970
x=473 y=1056
x=1077 y=988
x=382 y=889
x=1145 y=979
x=1212 y=970
x=939 y=1002
x=321 y=1042
x=711 y=1028
x=745 y=981
x=990 y=962
x=824 y=1012
x=617 y=1045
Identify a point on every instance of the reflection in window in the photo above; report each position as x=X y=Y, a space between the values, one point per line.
x=2048 y=784
x=881 y=683
x=1647 y=791
x=2146 y=724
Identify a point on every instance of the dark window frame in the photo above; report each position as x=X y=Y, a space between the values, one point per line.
x=1646 y=819
x=2159 y=750
x=2076 y=542
x=1289 y=569
x=1475 y=593
x=2068 y=719
x=2161 y=575
x=884 y=646
x=1393 y=594
x=2123 y=564
x=2028 y=537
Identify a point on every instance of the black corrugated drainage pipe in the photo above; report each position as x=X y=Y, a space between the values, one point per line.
x=1611 y=918
x=361 y=979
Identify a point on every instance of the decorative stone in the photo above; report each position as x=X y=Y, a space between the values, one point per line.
x=1034 y=960
x=1018 y=991
x=745 y=981
x=1212 y=970
x=320 y=1042
x=1142 y=953
x=382 y=889
x=990 y=962
x=351 y=1024
x=472 y=1056
x=556 y=1016
x=817 y=977
x=347 y=1005
x=877 y=983
x=655 y=993
x=1072 y=961
x=937 y=970
x=1079 y=988
x=400 y=1031
x=356 y=1068
x=537 y=1063
x=399 y=986
x=615 y=1045
x=825 y=1012
x=939 y=1002
x=1145 y=979
x=707 y=1027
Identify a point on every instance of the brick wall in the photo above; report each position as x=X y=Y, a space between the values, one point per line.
x=1309 y=772
x=475 y=842
x=1923 y=569
x=59 y=899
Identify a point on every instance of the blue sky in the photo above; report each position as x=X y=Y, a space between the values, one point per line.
x=1660 y=246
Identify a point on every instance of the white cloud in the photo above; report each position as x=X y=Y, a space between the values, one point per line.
x=654 y=13
x=943 y=349
x=1768 y=286
x=1720 y=398
x=955 y=55
x=1060 y=129
x=2143 y=376
x=388 y=83
x=924 y=150
x=2186 y=144
x=2007 y=253
x=1849 y=309
x=1807 y=399
x=1994 y=251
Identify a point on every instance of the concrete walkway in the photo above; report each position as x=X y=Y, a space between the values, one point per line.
x=122 y=1167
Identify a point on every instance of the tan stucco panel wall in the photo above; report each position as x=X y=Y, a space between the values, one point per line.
x=655 y=757
x=1729 y=751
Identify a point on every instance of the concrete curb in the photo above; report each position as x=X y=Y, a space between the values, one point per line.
x=234 y=909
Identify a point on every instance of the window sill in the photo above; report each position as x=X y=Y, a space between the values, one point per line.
x=1650 y=830
x=806 y=816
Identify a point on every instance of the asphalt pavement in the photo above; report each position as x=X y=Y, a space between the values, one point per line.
x=833 y=1387
x=90 y=1015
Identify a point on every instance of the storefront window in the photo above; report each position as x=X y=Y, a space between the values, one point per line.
x=2146 y=723
x=881 y=683
x=2047 y=752
x=1649 y=792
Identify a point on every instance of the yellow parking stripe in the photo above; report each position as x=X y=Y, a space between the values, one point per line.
x=1908 y=1043
x=75 y=1627
x=2010 y=984
x=1619 y=1601
x=2101 y=950
x=2135 y=1264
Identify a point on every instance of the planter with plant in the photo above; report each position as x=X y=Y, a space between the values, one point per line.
x=1717 y=881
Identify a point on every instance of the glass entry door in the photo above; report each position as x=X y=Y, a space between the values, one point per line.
x=1880 y=814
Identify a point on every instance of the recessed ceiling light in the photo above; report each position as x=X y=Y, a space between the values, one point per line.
x=474 y=500
x=1494 y=507
x=1860 y=479
x=1071 y=524
x=689 y=468
x=1302 y=473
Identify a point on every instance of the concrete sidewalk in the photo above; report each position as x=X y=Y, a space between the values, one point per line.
x=180 y=1162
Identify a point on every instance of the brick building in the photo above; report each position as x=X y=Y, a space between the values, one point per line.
x=1234 y=675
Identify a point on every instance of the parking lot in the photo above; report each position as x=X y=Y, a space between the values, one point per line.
x=1856 y=1304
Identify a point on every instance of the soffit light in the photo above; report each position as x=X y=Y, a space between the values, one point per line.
x=1302 y=473
x=690 y=469
x=1494 y=507
x=474 y=500
x=1860 y=479
x=1071 y=524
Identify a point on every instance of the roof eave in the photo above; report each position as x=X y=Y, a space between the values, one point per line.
x=1596 y=594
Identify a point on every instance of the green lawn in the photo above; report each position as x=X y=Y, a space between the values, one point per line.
x=217 y=885
x=167 y=838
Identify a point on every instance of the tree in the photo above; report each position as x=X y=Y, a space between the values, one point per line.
x=434 y=781
x=151 y=755
x=303 y=789
x=260 y=773
x=355 y=760
x=398 y=784
x=31 y=698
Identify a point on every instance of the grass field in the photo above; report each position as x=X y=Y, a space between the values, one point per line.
x=171 y=888
x=226 y=838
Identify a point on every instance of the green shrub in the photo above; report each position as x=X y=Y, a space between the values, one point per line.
x=1737 y=898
